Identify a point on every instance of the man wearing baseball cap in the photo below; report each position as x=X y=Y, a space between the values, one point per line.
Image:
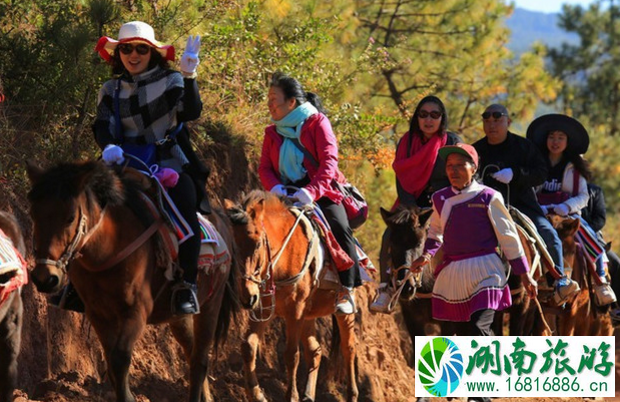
x=513 y=165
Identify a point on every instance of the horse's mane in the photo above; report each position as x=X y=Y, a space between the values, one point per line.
x=403 y=215
x=67 y=180
x=238 y=214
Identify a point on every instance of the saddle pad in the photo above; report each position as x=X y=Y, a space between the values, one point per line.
x=208 y=233
x=11 y=261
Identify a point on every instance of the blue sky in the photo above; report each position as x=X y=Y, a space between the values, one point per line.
x=548 y=6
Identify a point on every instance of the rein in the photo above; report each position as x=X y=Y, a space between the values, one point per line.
x=72 y=251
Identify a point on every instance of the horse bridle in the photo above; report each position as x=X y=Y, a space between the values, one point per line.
x=72 y=250
x=267 y=286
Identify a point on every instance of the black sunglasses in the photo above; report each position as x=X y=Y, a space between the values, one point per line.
x=496 y=115
x=423 y=114
x=127 y=48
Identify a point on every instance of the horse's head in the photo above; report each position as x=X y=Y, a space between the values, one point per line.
x=65 y=203
x=249 y=232
x=407 y=233
x=566 y=227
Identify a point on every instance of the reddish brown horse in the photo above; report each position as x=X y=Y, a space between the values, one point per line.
x=88 y=227
x=11 y=315
x=273 y=248
x=581 y=316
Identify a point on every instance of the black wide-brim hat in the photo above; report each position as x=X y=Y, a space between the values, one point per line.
x=578 y=138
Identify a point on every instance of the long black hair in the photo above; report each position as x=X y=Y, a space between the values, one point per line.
x=293 y=89
x=579 y=163
x=156 y=60
x=414 y=125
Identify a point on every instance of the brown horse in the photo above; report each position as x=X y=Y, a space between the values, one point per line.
x=581 y=316
x=273 y=248
x=89 y=227
x=11 y=315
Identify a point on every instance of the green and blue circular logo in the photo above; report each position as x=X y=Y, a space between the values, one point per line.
x=440 y=367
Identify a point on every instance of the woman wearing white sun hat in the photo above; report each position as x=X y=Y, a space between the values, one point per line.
x=141 y=111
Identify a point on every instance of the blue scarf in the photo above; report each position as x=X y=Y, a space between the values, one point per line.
x=291 y=157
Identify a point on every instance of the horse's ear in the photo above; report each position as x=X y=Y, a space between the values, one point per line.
x=229 y=204
x=608 y=246
x=34 y=171
x=258 y=210
x=423 y=217
x=385 y=214
x=572 y=224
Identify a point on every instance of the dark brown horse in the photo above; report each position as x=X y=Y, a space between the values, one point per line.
x=581 y=316
x=89 y=227
x=278 y=280
x=404 y=242
x=406 y=237
x=11 y=315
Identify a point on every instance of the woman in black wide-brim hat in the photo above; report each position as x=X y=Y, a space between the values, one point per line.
x=563 y=140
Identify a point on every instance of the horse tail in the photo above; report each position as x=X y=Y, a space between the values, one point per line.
x=230 y=302
x=335 y=349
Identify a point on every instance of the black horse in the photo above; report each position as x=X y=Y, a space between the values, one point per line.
x=11 y=316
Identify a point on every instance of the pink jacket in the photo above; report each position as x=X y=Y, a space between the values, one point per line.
x=319 y=139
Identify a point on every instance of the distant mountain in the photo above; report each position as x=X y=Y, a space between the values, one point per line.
x=528 y=27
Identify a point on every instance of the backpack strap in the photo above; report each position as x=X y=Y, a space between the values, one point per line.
x=307 y=153
x=117 y=113
x=575 y=182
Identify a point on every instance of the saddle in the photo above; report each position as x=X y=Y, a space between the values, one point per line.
x=13 y=272
x=213 y=250
x=326 y=253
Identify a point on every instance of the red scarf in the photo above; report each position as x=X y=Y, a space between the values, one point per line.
x=414 y=171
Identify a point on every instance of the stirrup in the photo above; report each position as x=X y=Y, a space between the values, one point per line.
x=193 y=306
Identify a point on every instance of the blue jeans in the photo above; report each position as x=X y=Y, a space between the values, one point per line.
x=549 y=235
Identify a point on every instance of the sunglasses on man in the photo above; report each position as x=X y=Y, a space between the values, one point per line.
x=423 y=114
x=127 y=48
x=496 y=115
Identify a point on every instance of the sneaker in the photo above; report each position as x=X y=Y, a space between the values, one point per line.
x=184 y=300
x=564 y=289
x=383 y=300
x=604 y=294
x=345 y=303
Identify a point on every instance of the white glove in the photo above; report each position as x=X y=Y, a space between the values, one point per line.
x=113 y=154
x=189 y=60
x=303 y=196
x=279 y=189
x=503 y=176
x=561 y=209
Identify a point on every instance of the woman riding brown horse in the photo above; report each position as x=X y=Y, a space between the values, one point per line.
x=11 y=308
x=90 y=226
x=279 y=267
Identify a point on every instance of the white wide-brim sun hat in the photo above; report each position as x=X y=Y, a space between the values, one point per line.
x=133 y=32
